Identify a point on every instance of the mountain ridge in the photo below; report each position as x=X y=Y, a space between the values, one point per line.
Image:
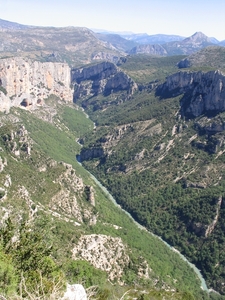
x=111 y=46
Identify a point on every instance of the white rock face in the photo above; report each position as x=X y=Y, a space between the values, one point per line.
x=203 y=92
x=28 y=83
x=75 y=292
x=103 y=252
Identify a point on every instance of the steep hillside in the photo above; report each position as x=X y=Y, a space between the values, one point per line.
x=117 y=41
x=161 y=154
x=74 y=45
x=58 y=225
x=208 y=58
x=155 y=49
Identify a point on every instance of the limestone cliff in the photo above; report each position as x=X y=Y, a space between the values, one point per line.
x=27 y=83
x=105 y=78
x=203 y=93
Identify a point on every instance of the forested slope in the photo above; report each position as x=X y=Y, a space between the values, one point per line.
x=162 y=166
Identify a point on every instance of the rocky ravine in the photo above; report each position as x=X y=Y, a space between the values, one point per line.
x=27 y=83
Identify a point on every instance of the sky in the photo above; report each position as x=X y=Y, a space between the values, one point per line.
x=179 y=17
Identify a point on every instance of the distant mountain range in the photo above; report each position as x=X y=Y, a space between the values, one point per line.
x=164 y=45
x=77 y=45
x=159 y=44
x=144 y=38
x=153 y=39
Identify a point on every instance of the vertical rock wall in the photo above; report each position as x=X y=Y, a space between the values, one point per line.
x=28 y=83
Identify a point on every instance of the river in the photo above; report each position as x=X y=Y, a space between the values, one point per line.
x=197 y=271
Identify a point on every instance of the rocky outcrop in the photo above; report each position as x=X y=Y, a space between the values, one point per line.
x=18 y=142
x=90 y=194
x=213 y=129
x=97 y=72
x=67 y=199
x=90 y=153
x=203 y=229
x=75 y=292
x=156 y=49
x=212 y=226
x=27 y=83
x=197 y=185
x=104 y=78
x=103 y=252
x=198 y=228
x=211 y=56
x=204 y=93
x=210 y=126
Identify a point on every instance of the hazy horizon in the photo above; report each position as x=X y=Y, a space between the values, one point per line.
x=182 y=18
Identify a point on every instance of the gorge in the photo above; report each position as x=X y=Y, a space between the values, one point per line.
x=151 y=134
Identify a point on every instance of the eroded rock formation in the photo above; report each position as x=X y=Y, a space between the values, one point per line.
x=27 y=83
x=204 y=93
x=90 y=153
x=103 y=78
x=103 y=252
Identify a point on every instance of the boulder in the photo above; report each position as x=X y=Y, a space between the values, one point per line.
x=75 y=292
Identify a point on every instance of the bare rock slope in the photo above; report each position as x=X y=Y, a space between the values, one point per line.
x=27 y=83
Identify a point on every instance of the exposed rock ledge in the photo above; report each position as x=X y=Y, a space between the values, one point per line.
x=90 y=153
x=103 y=252
x=27 y=83
x=103 y=78
x=204 y=93
x=203 y=229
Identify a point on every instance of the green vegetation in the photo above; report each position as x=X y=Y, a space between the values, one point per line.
x=154 y=190
x=29 y=262
x=145 y=68
x=82 y=271
x=207 y=59
x=47 y=255
x=8 y=278
x=167 y=174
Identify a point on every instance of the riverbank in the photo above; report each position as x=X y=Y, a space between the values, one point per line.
x=196 y=270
